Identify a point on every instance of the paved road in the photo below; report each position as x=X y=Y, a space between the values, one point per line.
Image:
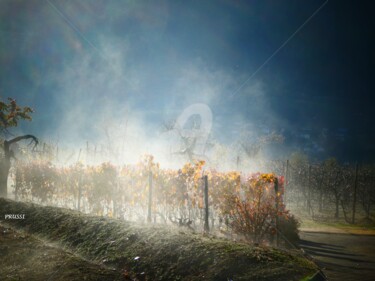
x=345 y=257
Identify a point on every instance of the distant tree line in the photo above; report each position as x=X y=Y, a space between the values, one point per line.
x=328 y=189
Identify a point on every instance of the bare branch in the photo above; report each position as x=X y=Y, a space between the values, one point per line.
x=19 y=138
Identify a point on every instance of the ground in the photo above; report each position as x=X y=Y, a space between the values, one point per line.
x=24 y=257
x=60 y=244
x=342 y=256
x=142 y=251
x=360 y=228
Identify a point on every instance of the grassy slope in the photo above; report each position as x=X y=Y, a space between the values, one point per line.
x=155 y=252
x=23 y=257
x=325 y=222
x=337 y=227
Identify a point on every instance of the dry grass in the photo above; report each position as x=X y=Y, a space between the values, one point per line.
x=152 y=252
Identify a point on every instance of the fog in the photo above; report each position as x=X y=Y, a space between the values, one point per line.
x=113 y=79
x=117 y=75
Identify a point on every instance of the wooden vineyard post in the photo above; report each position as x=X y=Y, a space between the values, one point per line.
x=309 y=191
x=79 y=193
x=355 y=192
x=87 y=152
x=277 y=211
x=149 y=197
x=115 y=190
x=79 y=154
x=206 y=225
x=286 y=180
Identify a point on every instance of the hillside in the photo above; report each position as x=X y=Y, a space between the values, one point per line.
x=152 y=252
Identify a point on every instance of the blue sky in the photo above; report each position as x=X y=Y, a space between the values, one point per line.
x=85 y=66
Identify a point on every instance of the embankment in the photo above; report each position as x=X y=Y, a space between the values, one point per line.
x=153 y=252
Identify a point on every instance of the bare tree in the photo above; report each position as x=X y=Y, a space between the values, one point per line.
x=366 y=189
x=10 y=114
x=252 y=144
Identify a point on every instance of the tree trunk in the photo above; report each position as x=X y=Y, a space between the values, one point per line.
x=5 y=164
x=4 y=172
x=368 y=211
x=337 y=208
x=321 y=201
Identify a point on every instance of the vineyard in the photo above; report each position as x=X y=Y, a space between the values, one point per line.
x=252 y=205
x=329 y=191
x=201 y=200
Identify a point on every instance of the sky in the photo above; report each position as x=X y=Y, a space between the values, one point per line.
x=118 y=71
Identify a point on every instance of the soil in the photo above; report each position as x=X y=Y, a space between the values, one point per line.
x=114 y=249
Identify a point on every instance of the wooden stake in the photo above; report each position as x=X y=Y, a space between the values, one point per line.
x=206 y=224
x=149 y=197
x=355 y=192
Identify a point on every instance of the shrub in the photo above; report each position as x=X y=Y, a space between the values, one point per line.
x=288 y=226
x=252 y=210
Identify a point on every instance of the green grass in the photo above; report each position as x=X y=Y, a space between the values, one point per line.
x=157 y=252
x=338 y=226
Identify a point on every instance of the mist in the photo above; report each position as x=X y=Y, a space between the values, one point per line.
x=97 y=85
x=221 y=132
x=114 y=74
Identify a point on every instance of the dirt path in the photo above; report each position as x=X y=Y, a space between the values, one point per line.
x=342 y=256
x=23 y=257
